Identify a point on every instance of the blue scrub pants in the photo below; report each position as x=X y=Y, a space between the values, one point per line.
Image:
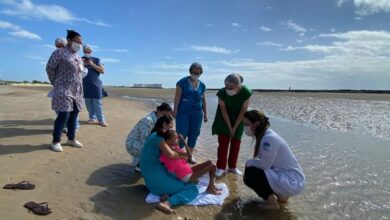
x=188 y=124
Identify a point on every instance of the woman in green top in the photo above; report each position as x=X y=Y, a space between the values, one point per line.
x=233 y=101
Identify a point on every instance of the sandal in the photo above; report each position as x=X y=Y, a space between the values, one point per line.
x=38 y=208
x=24 y=185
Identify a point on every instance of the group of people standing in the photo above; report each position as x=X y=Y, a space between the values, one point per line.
x=75 y=81
x=273 y=172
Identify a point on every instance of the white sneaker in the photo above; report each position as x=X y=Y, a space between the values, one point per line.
x=219 y=172
x=56 y=147
x=235 y=171
x=74 y=143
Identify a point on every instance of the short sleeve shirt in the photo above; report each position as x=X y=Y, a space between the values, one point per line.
x=92 y=83
x=233 y=106
x=191 y=98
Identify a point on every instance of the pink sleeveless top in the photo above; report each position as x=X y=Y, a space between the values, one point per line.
x=179 y=167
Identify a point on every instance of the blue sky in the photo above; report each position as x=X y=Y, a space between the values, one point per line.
x=302 y=44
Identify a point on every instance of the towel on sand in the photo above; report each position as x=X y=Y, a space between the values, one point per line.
x=203 y=197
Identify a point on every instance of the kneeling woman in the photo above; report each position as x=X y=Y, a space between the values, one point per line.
x=157 y=178
x=273 y=173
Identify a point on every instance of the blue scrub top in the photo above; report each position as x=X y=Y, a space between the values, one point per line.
x=191 y=98
x=92 y=84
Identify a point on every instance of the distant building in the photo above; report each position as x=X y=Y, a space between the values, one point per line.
x=154 y=86
x=2 y=82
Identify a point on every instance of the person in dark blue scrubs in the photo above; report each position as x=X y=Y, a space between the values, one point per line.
x=190 y=106
x=93 y=87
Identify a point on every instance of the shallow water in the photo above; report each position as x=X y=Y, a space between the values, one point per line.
x=347 y=169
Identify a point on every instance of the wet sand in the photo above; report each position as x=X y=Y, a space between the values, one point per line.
x=89 y=183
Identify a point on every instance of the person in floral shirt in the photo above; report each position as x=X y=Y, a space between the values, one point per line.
x=137 y=136
x=64 y=70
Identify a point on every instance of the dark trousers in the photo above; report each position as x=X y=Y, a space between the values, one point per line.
x=256 y=179
x=223 y=149
x=65 y=118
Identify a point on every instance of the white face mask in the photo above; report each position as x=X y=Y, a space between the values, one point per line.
x=248 y=131
x=231 y=92
x=87 y=55
x=194 y=77
x=76 y=47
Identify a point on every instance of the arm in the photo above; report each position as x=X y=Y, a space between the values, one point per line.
x=168 y=152
x=99 y=67
x=266 y=156
x=225 y=114
x=177 y=100
x=244 y=108
x=205 y=119
x=52 y=66
x=188 y=151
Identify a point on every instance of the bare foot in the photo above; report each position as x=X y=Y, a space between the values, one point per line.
x=211 y=190
x=271 y=203
x=282 y=200
x=164 y=198
x=216 y=188
x=164 y=207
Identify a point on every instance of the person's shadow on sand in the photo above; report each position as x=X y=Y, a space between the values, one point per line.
x=124 y=196
x=12 y=128
x=13 y=132
x=12 y=123
x=16 y=149
x=237 y=209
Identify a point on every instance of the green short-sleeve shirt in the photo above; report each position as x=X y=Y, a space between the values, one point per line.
x=233 y=106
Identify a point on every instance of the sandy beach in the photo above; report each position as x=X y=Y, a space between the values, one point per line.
x=88 y=183
x=95 y=182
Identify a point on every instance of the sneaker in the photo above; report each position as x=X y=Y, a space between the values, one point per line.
x=56 y=147
x=192 y=160
x=103 y=124
x=235 y=171
x=92 y=121
x=219 y=172
x=74 y=143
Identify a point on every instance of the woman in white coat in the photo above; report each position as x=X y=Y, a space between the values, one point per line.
x=273 y=173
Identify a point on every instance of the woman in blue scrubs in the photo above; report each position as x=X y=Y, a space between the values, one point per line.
x=190 y=106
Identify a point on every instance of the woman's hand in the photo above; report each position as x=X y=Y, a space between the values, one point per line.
x=205 y=119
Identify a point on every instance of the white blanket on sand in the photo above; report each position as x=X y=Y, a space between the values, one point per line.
x=203 y=197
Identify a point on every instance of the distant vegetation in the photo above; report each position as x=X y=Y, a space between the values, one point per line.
x=8 y=82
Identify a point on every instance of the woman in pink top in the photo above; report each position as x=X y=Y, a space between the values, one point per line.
x=182 y=169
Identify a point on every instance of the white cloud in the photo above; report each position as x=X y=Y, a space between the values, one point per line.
x=18 y=31
x=210 y=25
x=358 y=18
x=25 y=34
x=352 y=43
x=118 y=50
x=265 y=29
x=234 y=24
x=268 y=43
x=110 y=60
x=295 y=27
x=213 y=49
x=27 y=9
x=368 y=7
x=35 y=57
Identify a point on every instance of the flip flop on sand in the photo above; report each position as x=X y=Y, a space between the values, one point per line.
x=38 y=208
x=24 y=185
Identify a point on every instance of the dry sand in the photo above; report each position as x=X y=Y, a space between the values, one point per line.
x=89 y=183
